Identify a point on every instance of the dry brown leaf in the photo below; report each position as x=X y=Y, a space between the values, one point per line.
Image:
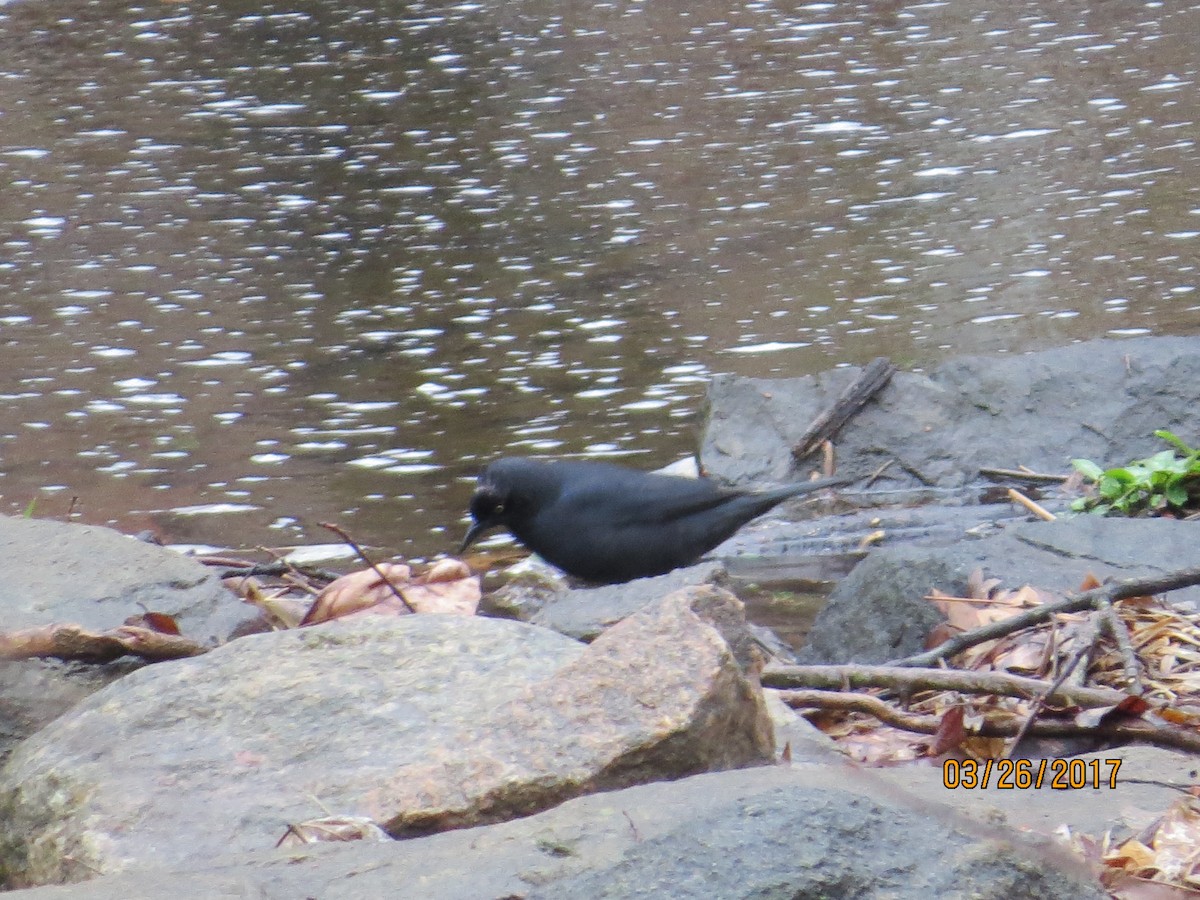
x=980 y=588
x=160 y=622
x=357 y=592
x=1165 y=852
x=1028 y=655
x=448 y=587
x=950 y=732
x=883 y=745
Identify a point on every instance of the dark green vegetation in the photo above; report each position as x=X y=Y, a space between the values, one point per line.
x=1167 y=482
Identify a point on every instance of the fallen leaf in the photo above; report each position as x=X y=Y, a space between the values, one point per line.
x=359 y=591
x=448 y=587
x=950 y=732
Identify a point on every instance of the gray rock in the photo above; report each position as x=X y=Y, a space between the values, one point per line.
x=97 y=578
x=816 y=840
x=777 y=831
x=659 y=695
x=585 y=612
x=1058 y=555
x=879 y=611
x=1101 y=400
x=424 y=723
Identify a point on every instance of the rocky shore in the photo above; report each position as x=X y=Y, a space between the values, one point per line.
x=616 y=742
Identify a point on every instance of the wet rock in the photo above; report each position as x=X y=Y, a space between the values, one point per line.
x=95 y=577
x=425 y=723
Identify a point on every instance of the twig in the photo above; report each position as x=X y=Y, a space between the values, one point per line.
x=1036 y=508
x=910 y=680
x=1040 y=703
x=916 y=473
x=1115 y=628
x=1021 y=475
x=336 y=529
x=874 y=476
x=1112 y=593
x=1087 y=635
x=870 y=381
x=236 y=568
x=992 y=725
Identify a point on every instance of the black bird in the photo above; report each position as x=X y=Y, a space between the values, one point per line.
x=608 y=524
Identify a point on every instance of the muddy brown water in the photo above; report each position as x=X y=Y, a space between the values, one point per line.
x=267 y=265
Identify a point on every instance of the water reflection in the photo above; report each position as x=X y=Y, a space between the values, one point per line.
x=268 y=265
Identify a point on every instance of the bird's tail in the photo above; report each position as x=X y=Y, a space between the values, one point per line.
x=807 y=487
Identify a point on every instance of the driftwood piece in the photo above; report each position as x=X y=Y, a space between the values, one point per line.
x=874 y=376
x=72 y=642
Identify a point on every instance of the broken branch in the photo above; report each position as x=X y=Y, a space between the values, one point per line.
x=873 y=378
x=72 y=642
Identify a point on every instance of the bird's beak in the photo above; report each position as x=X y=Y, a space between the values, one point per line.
x=473 y=533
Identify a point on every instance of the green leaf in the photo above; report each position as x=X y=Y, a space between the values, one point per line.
x=1163 y=460
x=1174 y=441
x=1176 y=493
x=1088 y=469
x=1110 y=486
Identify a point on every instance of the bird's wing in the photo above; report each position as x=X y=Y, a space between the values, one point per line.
x=645 y=499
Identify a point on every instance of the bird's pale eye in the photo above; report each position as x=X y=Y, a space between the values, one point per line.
x=498 y=509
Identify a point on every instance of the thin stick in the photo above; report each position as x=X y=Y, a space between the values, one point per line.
x=363 y=556
x=909 y=681
x=1021 y=475
x=874 y=476
x=992 y=726
x=1036 y=508
x=1040 y=703
x=1112 y=624
x=1112 y=593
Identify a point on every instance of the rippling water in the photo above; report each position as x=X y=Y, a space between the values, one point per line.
x=267 y=265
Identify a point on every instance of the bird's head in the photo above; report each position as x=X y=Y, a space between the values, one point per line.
x=488 y=510
x=506 y=491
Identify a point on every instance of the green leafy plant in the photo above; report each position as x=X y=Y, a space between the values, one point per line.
x=1166 y=481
